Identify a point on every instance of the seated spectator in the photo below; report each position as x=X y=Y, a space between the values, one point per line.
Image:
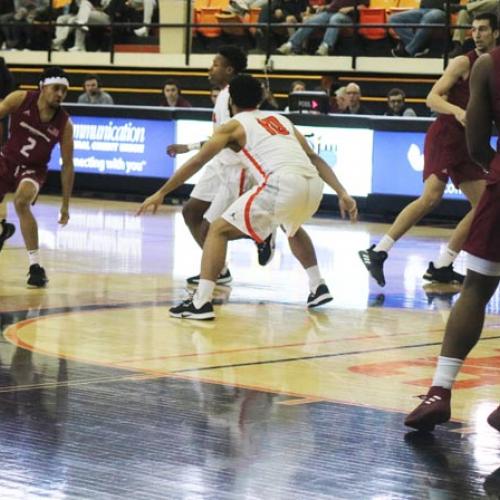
x=353 y=97
x=89 y=12
x=466 y=15
x=415 y=43
x=295 y=86
x=338 y=99
x=396 y=105
x=214 y=92
x=336 y=12
x=93 y=92
x=17 y=25
x=147 y=7
x=171 y=96
x=281 y=11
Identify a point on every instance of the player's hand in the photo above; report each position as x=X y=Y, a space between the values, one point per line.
x=460 y=116
x=176 y=149
x=348 y=206
x=63 y=216
x=154 y=201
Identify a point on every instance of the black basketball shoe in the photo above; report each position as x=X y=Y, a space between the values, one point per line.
x=374 y=262
x=443 y=274
x=319 y=297
x=8 y=230
x=266 y=249
x=187 y=309
x=223 y=279
x=37 y=277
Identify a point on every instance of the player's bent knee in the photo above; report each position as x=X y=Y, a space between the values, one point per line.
x=193 y=211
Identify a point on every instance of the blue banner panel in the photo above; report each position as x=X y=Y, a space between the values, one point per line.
x=398 y=164
x=120 y=146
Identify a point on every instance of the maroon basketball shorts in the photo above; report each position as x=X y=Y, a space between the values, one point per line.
x=11 y=176
x=483 y=242
x=446 y=155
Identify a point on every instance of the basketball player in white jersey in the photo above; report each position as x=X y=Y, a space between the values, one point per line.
x=288 y=191
x=225 y=179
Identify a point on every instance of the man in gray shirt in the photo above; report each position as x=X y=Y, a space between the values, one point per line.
x=93 y=93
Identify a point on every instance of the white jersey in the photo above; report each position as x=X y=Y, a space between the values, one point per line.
x=221 y=108
x=271 y=145
x=220 y=116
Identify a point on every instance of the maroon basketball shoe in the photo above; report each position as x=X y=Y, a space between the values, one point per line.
x=494 y=419
x=433 y=410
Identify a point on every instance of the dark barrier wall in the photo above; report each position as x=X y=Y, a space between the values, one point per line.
x=120 y=151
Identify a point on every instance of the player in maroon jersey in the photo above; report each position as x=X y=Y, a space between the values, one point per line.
x=483 y=251
x=37 y=124
x=445 y=157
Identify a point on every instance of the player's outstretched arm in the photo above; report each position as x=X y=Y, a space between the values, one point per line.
x=224 y=135
x=479 y=113
x=67 y=171
x=347 y=204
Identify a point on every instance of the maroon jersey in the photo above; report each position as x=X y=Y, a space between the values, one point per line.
x=445 y=150
x=459 y=94
x=31 y=141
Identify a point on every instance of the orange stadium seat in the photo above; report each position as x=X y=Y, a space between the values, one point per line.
x=207 y=15
x=230 y=17
x=373 y=16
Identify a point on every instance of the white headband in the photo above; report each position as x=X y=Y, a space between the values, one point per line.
x=54 y=80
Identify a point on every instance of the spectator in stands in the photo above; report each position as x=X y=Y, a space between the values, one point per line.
x=295 y=86
x=214 y=92
x=171 y=95
x=353 y=97
x=336 y=12
x=89 y=12
x=414 y=43
x=17 y=24
x=338 y=99
x=465 y=16
x=281 y=11
x=93 y=92
x=147 y=7
x=396 y=105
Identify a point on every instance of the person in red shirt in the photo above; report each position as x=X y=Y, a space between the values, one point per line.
x=172 y=96
x=37 y=124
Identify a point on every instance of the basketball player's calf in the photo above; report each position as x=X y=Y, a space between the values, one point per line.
x=7 y=229
x=25 y=195
x=214 y=256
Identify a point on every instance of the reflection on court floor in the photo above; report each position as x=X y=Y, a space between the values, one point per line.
x=99 y=337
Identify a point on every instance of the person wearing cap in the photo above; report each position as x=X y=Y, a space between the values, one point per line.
x=37 y=124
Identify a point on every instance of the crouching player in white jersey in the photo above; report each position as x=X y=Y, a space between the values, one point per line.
x=288 y=193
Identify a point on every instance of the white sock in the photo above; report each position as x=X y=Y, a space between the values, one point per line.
x=446 y=257
x=385 y=244
x=224 y=269
x=34 y=256
x=315 y=279
x=446 y=371
x=203 y=293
